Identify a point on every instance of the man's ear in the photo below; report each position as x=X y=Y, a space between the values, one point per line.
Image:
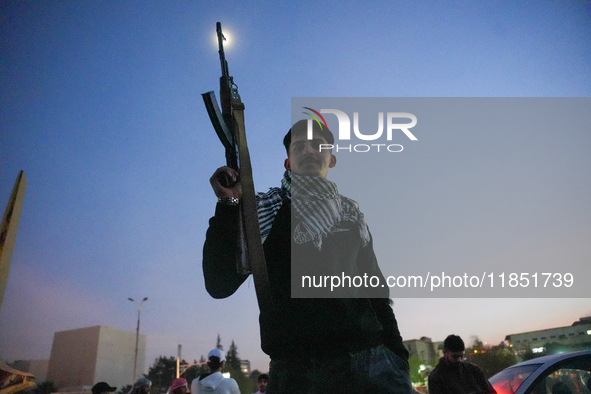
x=333 y=161
x=287 y=164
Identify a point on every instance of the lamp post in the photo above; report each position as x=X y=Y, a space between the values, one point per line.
x=137 y=334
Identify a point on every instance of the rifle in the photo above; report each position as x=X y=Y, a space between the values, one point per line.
x=229 y=126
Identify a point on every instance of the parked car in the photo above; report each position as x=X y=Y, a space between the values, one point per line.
x=567 y=373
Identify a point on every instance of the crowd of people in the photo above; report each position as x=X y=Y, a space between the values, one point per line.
x=452 y=375
x=213 y=382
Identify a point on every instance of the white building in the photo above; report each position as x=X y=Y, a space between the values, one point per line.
x=425 y=349
x=245 y=366
x=82 y=357
x=578 y=333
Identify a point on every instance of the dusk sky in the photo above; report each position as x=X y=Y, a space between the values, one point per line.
x=101 y=107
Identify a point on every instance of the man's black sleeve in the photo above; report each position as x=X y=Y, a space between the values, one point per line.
x=220 y=253
x=392 y=338
x=391 y=335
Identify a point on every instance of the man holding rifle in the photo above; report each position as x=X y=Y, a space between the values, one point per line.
x=316 y=345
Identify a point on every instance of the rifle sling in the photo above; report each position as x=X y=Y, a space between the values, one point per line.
x=250 y=217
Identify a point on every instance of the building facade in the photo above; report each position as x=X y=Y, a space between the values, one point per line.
x=82 y=357
x=425 y=349
x=579 y=333
x=245 y=366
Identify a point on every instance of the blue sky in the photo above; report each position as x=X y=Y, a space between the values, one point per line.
x=101 y=107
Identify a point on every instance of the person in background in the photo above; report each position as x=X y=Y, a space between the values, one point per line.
x=454 y=375
x=179 y=386
x=102 y=388
x=262 y=383
x=214 y=382
x=142 y=386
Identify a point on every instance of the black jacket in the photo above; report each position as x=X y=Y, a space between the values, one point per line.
x=298 y=327
x=458 y=378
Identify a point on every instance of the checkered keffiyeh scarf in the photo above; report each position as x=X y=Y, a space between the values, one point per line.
x=317 y=204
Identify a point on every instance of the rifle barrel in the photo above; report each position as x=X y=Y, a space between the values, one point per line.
x=221 y=40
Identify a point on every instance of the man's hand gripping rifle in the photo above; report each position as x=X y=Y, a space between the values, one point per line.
x=229 y=126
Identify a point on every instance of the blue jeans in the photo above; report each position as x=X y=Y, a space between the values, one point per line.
x=375 y=370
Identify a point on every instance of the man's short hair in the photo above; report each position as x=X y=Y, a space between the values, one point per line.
x=301 y=127
x=216 y=358
x=453 y=343
x=214 y=363
x=263 y=376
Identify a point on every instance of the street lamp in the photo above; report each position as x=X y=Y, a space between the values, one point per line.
x=137 y=334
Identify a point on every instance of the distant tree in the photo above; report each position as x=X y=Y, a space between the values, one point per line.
x=45 y=387
x=477 y=343
x=162 y=373
x=490 y=359
x=232 y=365
x=232 y=359
x=527 y=354
x=218 y=344
x=191 y=372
